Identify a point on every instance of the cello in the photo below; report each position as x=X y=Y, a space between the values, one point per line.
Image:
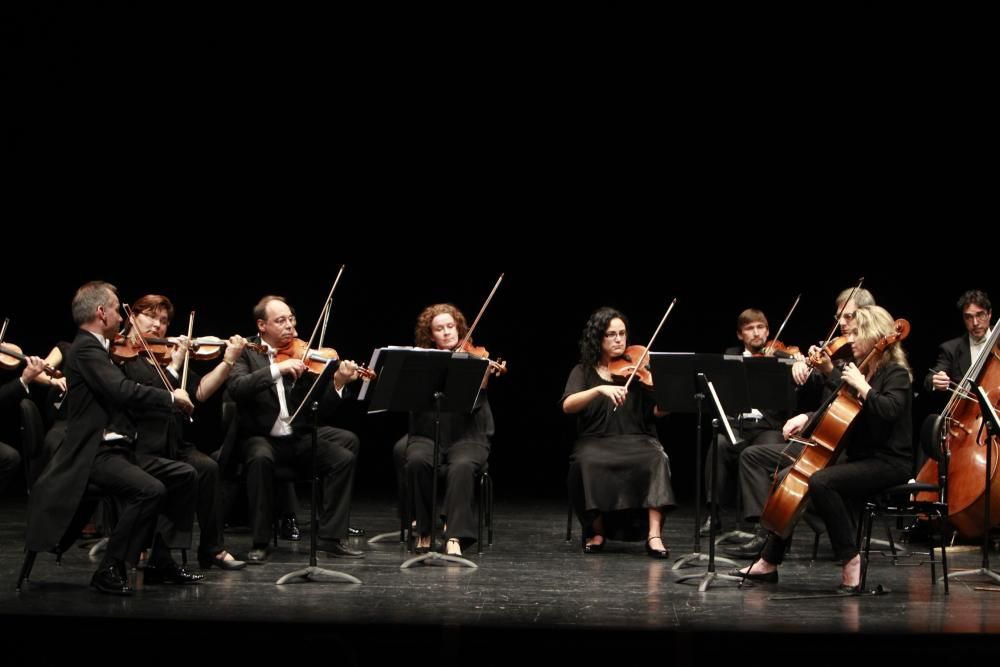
x=962 y=421
x=823 y=437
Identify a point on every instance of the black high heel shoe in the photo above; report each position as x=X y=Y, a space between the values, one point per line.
x=656 y=553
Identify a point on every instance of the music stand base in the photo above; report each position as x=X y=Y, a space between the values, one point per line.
x=382 y=537
x=698 y=557
x=982 y=571
x=434 y=558
x=708 y=577
x=317 y=574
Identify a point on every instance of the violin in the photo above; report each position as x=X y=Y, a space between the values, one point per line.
x=204 y=348
x=11 y=356
x=838 y=348
x=315 y=359
x=622 y=367
x=498 y=367
x=775 y=348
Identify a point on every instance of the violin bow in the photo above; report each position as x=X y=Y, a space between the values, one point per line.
x=145 y=347
x=836 y=319
x=3 y=329
x=468 y=334
x=187 y=352
x=656 y=333
x=324 y=314
x=323 y=318
x=767 y=351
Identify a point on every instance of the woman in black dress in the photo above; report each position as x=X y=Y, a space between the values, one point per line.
x=617 y=462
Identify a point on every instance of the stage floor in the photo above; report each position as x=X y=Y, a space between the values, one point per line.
x=531 y=586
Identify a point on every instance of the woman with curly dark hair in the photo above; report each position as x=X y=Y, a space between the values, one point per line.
x=618 y=466
x=465 y=444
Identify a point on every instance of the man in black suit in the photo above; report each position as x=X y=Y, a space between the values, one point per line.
x=753 y=428
x=267 y=394
x=96 y=454
x=10 y=393
x=956 y=355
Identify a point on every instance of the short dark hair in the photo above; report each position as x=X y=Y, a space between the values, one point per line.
x=976 y=296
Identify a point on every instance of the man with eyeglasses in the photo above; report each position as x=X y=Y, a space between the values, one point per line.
x=267 y=393
x=957 y=355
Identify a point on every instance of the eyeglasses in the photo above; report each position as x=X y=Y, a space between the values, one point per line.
x=282 y=321
x=615 y=334
x=981 y=316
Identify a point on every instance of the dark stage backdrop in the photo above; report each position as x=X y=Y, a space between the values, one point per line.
x=534 y=321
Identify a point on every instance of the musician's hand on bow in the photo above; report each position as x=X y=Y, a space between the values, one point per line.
x=794 y=426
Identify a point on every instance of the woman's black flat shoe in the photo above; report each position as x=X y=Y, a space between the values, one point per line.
x=594 y=548
x=844 y=589
x=656 y=553
x=766 y=577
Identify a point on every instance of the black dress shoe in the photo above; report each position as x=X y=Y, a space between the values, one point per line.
x=749 y=549
x=288 y=529
x=355 y=532
x=765 y=577
x=206 y=561
x=110 y=580
x=594 y=548
x=657 y=553
x=171 y=573
x=336 y=548
x=844 y=589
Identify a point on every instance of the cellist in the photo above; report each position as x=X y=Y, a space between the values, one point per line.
x=878 y=447
x=759 y=461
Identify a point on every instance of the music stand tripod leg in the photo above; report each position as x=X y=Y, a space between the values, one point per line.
x=313 y=572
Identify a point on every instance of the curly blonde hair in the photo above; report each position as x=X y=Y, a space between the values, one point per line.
x=874 y=322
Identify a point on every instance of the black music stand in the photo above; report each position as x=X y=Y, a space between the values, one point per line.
x=313 y=572
x=421 y=380
x=992 y=427
x=678 y=389
x=769 y=381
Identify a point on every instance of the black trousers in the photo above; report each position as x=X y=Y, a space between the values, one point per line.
x=335 y=461
x=835 y=493
x=729 y=457
x=208 y=504
x=139 y=496
x=464 y=461
x=176 y=521
x=758 y=466
x=10 y=461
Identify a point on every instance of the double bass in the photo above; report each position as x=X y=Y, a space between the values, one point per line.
x=962 y=421
x=823 y=437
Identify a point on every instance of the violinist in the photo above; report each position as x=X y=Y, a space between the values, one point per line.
x=759 y=461
x=10 y=393
x=98 y=450
x=957 y=355
x=848 y=301
x=465 y=444
x=618 y=469
x=161 y=437
x=878 y=447
x=267 y=393
x=753 y=427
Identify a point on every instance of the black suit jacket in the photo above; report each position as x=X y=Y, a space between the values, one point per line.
x=98 y=397
x=954 y=357
x=256 y=394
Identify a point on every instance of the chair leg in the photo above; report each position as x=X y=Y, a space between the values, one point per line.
x=29 y=562
x=482 y=506
x=815 y=545
x=869 y=519
x=569 y=523
x=489 y=512
x=944 y=552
